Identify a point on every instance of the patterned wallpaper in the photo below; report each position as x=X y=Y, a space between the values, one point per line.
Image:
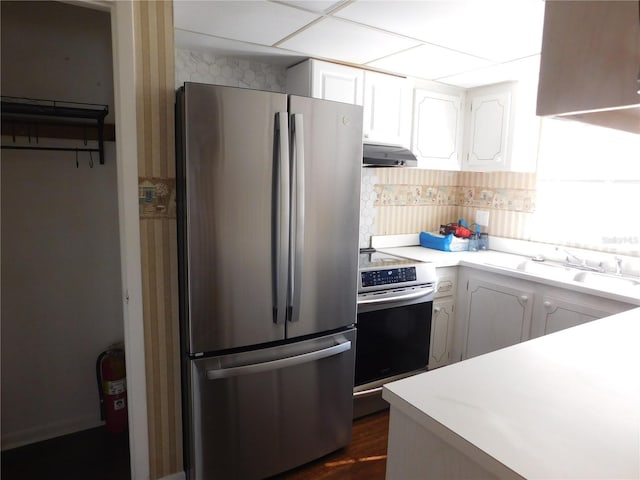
x=231 y=71
x=368 y=197
x=411 y=200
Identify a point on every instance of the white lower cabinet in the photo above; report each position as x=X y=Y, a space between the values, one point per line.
x=442 y=323
x=443 y=319
x=558 y=309
x=495 y=311
x=498 y=315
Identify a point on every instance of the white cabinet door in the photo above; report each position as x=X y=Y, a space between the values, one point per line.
x=442 y=323
x=337 y=83
x=387 y=109
x=497 y=316
x=565 y=309
x=328 y=81
x=488 y=136
x=437 y=129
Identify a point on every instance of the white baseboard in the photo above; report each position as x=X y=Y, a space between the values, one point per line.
x=175 y=476
x=45 y=432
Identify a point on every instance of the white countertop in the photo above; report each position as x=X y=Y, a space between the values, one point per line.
x=562 y=406
x=505 y=264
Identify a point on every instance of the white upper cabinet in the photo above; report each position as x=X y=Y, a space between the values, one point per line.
x=329 y=81
x=488 y=130
x=481 y=129
x=437 y=129
x=501 y=129
x=387 y=109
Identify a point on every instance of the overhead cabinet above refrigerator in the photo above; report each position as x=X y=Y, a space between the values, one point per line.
x=268 y=202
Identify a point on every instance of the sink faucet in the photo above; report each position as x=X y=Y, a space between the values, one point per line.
x=582 y=265
x=618 y=265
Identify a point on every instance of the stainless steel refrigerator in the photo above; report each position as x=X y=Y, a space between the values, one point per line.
x=268 y=203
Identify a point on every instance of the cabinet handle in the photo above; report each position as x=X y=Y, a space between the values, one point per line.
x=547 y=304
x=524 y=298
x=436 y=309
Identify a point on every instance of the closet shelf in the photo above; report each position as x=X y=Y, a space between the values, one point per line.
x=37 y=119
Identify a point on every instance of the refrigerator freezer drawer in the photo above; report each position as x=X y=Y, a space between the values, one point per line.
x=258 y=413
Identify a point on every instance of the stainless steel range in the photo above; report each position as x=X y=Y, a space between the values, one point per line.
x=395 y=300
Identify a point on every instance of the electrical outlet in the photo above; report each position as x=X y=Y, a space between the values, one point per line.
x=482 y=218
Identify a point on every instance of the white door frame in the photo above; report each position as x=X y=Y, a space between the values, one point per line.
x=122 y=41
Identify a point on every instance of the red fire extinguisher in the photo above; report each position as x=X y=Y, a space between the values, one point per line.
x=112 y=388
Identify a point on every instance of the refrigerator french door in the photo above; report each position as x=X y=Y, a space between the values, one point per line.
x=268 y=203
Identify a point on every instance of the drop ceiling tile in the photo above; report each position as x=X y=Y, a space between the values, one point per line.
x=498 y=30
x=313 y=5
x=259 y=22
x=523 y=70
x=429 y=62
x=345 y=41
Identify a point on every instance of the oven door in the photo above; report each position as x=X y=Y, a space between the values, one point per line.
x=393 y=338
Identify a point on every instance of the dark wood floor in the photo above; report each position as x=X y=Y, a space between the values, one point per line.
x=98 y=455
x=91 y=454
x=365 y=458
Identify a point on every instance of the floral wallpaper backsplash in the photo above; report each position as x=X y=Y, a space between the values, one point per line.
x=411 y=200
x=234 y=72
x=497 y=198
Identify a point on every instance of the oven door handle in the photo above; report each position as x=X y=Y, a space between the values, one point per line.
x=367 y=393
x=397 y=298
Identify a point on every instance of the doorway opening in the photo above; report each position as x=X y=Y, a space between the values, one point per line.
x=61 y=273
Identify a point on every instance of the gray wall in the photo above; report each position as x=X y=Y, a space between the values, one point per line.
x=61 y=281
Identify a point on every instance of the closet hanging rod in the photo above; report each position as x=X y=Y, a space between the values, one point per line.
x=62 y=112
x=57 y=149
x=53 y=108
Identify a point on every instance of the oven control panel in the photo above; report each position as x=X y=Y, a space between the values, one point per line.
x=376 y=278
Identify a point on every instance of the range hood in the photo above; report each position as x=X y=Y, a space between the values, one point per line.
x=377 y=155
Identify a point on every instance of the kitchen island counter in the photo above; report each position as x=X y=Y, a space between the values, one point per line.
x=566 y=405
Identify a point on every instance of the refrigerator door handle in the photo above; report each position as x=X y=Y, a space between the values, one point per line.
x=280 y=258
x=297 y=229
x=216 y=374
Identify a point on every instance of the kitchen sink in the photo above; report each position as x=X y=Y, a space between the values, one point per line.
x=601 y=280
x=549 y=270
x=564 y=273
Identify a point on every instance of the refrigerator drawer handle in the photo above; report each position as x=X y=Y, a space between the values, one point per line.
x=216 y=374
x=397 y=298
